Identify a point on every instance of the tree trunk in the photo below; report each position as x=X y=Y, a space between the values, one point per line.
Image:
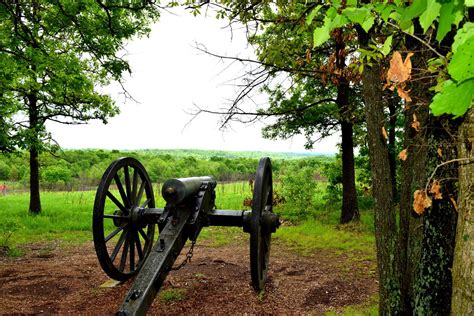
x=385 y=220
x=412 y=177
x=350 y=208
x=392 y=142
x=35 y=202
x=463 y=266
x=432 y=286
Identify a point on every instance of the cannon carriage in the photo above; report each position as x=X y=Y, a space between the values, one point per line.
x=125 y=221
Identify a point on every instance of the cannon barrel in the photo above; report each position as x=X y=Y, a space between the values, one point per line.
x=175 y=191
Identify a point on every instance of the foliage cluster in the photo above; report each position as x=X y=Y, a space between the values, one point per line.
x=73 y=168
x=54 y=57
x=298 y=186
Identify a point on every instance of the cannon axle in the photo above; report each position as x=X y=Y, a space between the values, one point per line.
x=125 y=219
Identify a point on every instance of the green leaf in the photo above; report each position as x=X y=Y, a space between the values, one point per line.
x=336 y=4
x=331 y=13
x=356 y=15
x=453 y=99
x=445 y=21
x=321 y=34
x=430 y=14
x=386 y=13
x=313 y=13
x=339 y=21
x=465 y=33
x=416 y=9
x=458 y=11
x=353 y=3
x=367 y=24
x=469 y=3
x=387 y=45
x=461 y=66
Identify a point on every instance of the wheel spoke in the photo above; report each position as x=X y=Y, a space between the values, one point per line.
x=146 y=202
x=128 y=187
x=133 y=198
x=115 y=232
x=139 y=246
x=123 y=259
x=132 y=251
x=118 y=245
x=140 y=193
x=121 y=190
x=117 y=202
x=143 y=235
x=268 y=199
x=115 y=216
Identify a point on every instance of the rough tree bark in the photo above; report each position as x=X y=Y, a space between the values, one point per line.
x=412 y=177
x=463 y=266
x=384 y=209
x=433 y=284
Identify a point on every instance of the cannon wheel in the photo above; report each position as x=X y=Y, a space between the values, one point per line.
x=260 y=237
x=122 y=241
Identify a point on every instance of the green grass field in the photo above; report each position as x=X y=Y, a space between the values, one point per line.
x=67 y=216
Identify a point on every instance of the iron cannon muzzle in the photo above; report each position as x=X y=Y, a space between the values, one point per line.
x=175 y=191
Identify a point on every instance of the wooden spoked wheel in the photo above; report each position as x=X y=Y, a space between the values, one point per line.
x=260 y=236
x=122 y=239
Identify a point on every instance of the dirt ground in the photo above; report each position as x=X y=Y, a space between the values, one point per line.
x=58 y=279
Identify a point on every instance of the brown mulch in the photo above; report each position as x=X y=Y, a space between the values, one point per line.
x=58 y=279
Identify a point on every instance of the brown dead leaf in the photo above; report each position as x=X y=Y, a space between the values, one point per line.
x=440 y=152
x=403 y=94
x=403 y=155
x=384 y=133
x=436 y=190
x=399 y=71
x=416 y=123
x=407 y=63
x=420 y=201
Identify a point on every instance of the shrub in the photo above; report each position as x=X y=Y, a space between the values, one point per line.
x=298 y=187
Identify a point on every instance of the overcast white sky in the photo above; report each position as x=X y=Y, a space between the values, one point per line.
x=169 y=76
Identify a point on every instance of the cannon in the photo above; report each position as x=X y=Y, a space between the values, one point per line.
x=125 y=220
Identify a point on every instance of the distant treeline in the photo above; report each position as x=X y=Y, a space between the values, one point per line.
x=72 y=169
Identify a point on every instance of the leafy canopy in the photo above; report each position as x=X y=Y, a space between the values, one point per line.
x=455 y=89
x=55 y=55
